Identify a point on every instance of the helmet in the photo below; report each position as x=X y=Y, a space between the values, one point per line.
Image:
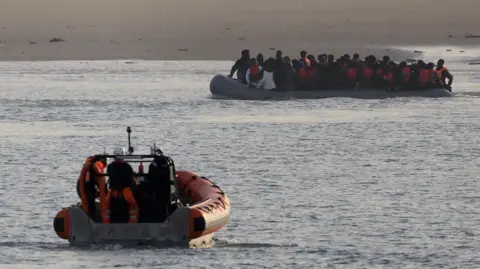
x=119 y=151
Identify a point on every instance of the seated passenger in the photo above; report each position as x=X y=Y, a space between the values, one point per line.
x=254 y=73
x=403 y=78
x=120 y=204
x=91 y=185
x=312 y=73
x=267 y=82
x=301 y=76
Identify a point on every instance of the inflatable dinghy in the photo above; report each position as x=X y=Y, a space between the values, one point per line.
x=223 y=86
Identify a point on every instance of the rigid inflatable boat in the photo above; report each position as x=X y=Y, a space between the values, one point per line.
x=223 y=86
x=196 y=209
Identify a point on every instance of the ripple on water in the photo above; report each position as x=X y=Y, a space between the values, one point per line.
x=335 y=183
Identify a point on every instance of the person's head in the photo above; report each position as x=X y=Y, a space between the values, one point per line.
x=287 y=60
x=356 y=57
x=421 y=64
x=322 y=58
x=260 y=58
x=386 y=59
x=331 y=58
x=311 y=58
x=246 y=54
x=120 y=174
x=346 y=57
x=402 y=64
x=279 y=54
x=303 y=54
x=440 y=63
x=270 y=64
x=430 y=65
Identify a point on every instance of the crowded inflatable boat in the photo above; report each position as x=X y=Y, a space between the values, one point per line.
x=152 y=204
x=325 y=76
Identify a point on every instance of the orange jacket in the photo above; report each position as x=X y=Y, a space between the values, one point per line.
x=352 y=74
x=306 y=61
x=302 y=75
x=126 y=194
x=255 y=73
x=85 y=176
x=406 y=73
x=367 y=73
x=423 y=76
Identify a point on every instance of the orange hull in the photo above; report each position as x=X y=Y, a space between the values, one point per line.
x=210 y=207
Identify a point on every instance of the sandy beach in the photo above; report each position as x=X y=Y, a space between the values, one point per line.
x=219 y=29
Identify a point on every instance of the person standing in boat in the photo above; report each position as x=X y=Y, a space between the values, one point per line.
x=240 y=66
x=441 y=73
x=91 y=185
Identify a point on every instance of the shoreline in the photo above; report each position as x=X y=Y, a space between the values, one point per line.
x=218 y=30
x=397 y=53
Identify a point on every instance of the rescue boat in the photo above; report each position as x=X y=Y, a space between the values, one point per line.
x=225 y=87
x=197 y=208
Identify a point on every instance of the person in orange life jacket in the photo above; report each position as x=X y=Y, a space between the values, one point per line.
x=120 y=203
x=442 y=73
x=353 y=74
x=240 y=66
x=267 y=82
x=431 y=83
x=91 y=185
x=312 y=73
x=422 y=74
x=385 y=74
x=300 y=75
x=304 y=59
x=254 y=73
x=403 y=76
x=366 y=73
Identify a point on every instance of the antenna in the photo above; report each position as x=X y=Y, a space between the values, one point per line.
x=130 y=148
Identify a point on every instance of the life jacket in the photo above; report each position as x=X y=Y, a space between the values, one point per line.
x=367 y=73
x=116 y=202
x=406 y=74
x=439 y=73
x=302 y=75
x=99 y=181
x=423 y=76
x=388 y=76
x=352 y=74
x=306 y=61
x=255 y=74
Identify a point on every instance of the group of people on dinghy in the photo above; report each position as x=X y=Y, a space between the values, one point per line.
x=307 y=73
x=127 y=199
